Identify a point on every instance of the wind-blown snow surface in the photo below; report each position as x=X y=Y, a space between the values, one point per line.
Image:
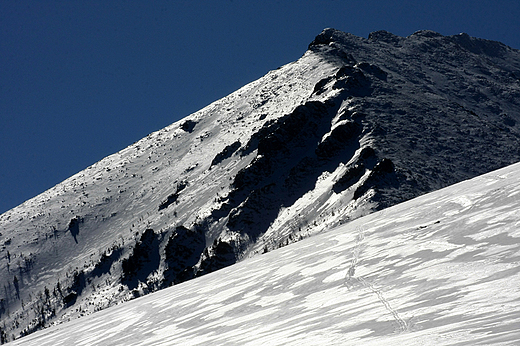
x=442 y=269
x=355 y=125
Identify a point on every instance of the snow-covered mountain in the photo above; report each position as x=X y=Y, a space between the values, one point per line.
x=354 y=126
x=441 y=269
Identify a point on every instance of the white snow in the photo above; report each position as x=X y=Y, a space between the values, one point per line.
x=422 y=276
x=433 y=111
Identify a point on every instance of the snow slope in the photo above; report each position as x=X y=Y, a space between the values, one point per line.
x=355 y=125
x=441 y=269
x=115 y=200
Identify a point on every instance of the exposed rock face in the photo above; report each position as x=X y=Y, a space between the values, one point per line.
x=354 y=126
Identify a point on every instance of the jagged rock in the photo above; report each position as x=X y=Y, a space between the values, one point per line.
x=222 y=255
x=143 y=260
x=226 y=153
x=338 y=139
x=174 y=196
x=188 y=125
x=182 y=253
x=384 y=36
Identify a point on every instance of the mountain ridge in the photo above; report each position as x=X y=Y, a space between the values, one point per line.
x=353 y=126
x=441 y=268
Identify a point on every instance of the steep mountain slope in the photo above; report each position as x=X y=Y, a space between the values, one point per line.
x=442 y=269
x=354 y=126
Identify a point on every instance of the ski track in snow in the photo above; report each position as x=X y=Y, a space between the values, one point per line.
x=439 y=277
x=403 y=326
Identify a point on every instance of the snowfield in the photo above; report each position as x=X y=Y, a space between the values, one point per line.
x=441 y=269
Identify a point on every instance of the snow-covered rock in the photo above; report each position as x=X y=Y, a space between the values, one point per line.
x=441 y=269
x=354 y=126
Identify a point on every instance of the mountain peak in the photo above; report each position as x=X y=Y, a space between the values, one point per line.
x=426 y=34
x=384 y=36
x=354 y=126
x=481 y=46
x=330 y=35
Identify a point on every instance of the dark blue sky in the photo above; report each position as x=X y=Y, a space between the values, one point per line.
x=80 y=80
